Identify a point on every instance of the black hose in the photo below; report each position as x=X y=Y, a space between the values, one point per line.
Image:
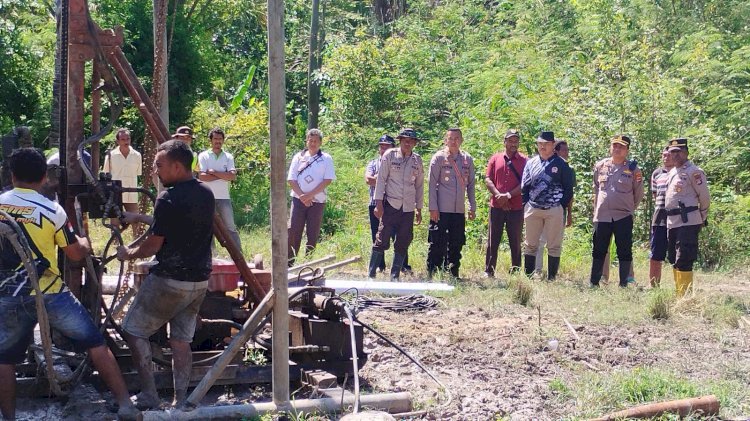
x=414 y=360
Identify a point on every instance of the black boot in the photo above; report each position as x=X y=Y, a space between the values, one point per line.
x=529 y=264
x=381 y=265
x=624 y=269
x=553 y=264
x=398 y=263
x=375 y=258
x=597 y=267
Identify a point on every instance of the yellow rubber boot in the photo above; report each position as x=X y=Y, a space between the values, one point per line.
x=683 y=282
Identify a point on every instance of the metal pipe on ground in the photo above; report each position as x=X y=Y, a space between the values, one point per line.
x=308 y=275
x=311 y=263
x=706 y=406
x=391 y=402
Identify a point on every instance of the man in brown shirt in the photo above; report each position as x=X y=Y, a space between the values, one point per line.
x=686 y=202
x=399 y=196
x=618 y=189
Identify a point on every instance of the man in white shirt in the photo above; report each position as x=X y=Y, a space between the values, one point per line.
x=217 y=170
x=310 y=173
x=126 y=165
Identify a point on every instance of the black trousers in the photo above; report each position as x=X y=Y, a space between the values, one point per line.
x=623 y=232
x=446 y=239
x=374 y=224
x=512 y=221
x=394 y=220
x=682 y=247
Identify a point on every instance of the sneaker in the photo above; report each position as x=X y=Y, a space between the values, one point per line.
x=129 y=413
x=145 y=402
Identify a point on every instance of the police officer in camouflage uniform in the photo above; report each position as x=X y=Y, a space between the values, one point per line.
x=451 y=182
x=686 y=202
x=399 y=196
x=618 y=189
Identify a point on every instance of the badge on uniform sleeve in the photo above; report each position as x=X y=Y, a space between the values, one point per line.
x=554 y=170
x=698 y=178
x=638 y=176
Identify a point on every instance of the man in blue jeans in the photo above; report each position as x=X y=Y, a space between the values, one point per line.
x=46 y=227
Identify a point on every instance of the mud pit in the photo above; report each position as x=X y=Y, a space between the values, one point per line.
x=496 y=363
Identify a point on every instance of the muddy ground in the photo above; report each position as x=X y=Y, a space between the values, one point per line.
x=496 y=363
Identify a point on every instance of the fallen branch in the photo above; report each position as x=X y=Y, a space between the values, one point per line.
x=705 y=405
x=572 y=331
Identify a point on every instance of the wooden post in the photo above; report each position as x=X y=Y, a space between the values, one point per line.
x=96 y=108
x=279 y=243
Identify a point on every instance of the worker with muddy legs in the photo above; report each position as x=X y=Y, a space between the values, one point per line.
x=618 y=189
x=452 y=180
x=175 y=287
x=686 y=202
x=46 y=227
x=399 y=196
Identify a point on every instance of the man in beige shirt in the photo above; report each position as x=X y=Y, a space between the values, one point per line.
x=686 y=202
x=126 y=165
x=451 y=183
x=618 y=189
x=399 y=196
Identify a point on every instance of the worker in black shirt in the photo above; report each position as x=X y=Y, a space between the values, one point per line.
x=175 y=287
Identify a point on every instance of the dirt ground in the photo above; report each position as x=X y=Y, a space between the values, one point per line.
x=499 y=363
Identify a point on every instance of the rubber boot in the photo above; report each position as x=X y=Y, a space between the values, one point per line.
x=381 y=265
x=624 y=270
x=597 y=267
x=529 y=264
x=683 y=282
x=375 y=258
x=654 y=273
x=553 y=264
x=398 y=263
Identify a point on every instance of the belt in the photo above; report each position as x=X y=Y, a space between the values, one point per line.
x=679 y=211
x=544 y=207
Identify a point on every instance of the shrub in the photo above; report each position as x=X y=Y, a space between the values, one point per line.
x=522 y=292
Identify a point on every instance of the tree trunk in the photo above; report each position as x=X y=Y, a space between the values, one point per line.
x=313 y=89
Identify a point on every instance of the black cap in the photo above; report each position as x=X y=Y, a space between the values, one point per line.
x=386 y=140
x=407 y=132
x=184 y=131
x=546 y=137
x=622 y=140
x=512 y=133
x=677 y=144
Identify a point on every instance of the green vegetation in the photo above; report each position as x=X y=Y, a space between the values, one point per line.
x=660 y=304
x=637 y=386
x=583 y=69
x=522 y=292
